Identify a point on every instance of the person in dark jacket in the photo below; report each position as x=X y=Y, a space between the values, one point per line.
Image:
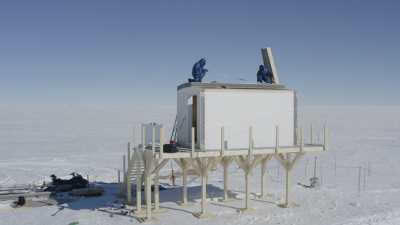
x=264 y=75
x=198 y=71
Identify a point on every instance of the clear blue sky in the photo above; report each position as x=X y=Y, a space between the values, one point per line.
x=129 y=52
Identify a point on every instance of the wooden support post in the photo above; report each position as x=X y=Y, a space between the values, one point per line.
x=161 y=142
x=143 y=138
x=156 y=191
x=129 y=151
x=193 y=141
x=128 y=188
x=315 y=166
x=184 y=186
x=301 y=140
x=225 y=161
x=364 y=179
x=157 y=165
x=137 y=157
x=305 y=168
x=222 y=141
x=359 y=181
x=325 y=138
x=263 y=170
x=148 y=194
x=148 y=168
x=276 y=139
x=311 y=134
x=138 y=190
x=287 y=163
x=225 y=165
x=287 y=188
x=246 y=163
x=247 y=188
x=123 y=172
x=124 y=163
x=184 y=165
x=153 y=138
x=119 y=182
x=151 y=165
x=128 y=176
x=203 y=193
x=202 y=165
x=250 y=141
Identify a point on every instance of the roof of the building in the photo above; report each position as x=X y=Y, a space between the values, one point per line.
x=215 y=85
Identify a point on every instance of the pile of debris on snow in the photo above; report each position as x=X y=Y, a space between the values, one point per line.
x=77 y=186
x=65 y=185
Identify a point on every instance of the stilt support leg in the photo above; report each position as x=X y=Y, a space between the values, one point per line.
x=287 y=161
x=148 y=195
x=203 y=165
x=263 y=166
x=156 y=192
x=247 y=163
x=184 y=164
x=138 y=192
x=225 y=161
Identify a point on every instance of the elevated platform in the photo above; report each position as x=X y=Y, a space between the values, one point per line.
x=198 y=153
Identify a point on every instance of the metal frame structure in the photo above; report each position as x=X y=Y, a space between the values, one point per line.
x=147 y=161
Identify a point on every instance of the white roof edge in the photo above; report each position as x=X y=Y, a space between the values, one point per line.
x=216 y=85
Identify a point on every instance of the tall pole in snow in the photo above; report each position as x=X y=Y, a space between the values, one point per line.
x=315 y=166
x=359 y=181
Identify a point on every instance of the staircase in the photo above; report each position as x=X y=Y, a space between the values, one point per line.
x=135 y=162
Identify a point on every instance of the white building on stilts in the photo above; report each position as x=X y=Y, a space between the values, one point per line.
x=218 y=124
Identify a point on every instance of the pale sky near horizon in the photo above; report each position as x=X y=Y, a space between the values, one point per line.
x=131 y=52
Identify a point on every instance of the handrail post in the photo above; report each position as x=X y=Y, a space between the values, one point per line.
x=143 y=137
x=222 y=140
x=250 y=140
x=325 y=138
x=301 y=140
x=161 y=142
x=276 y=139
x=153 y=138
x=193 y=141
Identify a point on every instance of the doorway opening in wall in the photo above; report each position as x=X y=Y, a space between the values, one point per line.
x=193 y=101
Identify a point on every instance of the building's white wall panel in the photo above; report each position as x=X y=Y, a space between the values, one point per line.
x=237 y=109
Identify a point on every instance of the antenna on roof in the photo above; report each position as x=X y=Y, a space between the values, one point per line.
x=269 y=63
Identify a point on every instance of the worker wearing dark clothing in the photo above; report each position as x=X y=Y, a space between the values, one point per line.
x=264 y=75
x=198 y=71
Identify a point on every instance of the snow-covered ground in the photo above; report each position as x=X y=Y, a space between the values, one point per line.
x=36 y=141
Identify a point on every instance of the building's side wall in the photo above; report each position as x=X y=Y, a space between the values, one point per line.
x=236 y=110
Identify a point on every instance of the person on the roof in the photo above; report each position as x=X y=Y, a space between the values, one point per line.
x=198 y=71
x=264 y=75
